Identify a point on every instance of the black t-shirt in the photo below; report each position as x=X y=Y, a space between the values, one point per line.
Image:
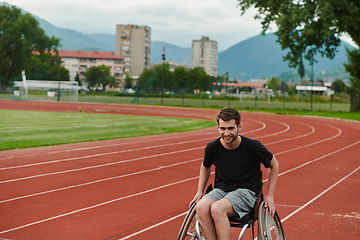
x=240 y=167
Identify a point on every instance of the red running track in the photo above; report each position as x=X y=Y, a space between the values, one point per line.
x=139 y=188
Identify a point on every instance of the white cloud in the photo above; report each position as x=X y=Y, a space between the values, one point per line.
x=176 y=22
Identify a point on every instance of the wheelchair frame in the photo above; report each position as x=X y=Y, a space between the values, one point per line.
x=269 y=228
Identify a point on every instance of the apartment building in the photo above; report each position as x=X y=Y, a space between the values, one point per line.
x=204 y=53
x=77 y=62
x=133 y=44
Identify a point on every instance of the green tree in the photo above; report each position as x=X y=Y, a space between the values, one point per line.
x=163 y=77
x=97 y=76
x=20 y=36
x=274 y=84
x=199 y=79
x=301 y=70
x=338 y=86
x=283 y=87
x=145 y=80
x=180 y=77
x=110 y=81
x=77 y=79
x=128 y=81
x=290 y=91
x=309 y=27
x=354 y=70
x=47 y=66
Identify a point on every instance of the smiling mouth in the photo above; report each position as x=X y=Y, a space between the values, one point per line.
x=228 y=138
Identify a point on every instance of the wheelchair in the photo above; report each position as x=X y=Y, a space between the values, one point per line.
x=269 y=228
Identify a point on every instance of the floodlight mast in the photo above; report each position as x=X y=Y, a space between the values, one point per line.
x=162 y=78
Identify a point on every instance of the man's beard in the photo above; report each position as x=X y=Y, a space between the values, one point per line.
x=231 y=140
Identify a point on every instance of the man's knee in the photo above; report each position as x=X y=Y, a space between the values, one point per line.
x=203 y=207
x=221 y=209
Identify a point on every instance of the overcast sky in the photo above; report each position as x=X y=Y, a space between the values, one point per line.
x=176 y=22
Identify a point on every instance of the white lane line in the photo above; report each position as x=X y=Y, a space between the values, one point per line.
x=126 y=143
x=318 y=196
x=293 y=138
x=287 y=217
x=137 y=194
x=98 y=181
x=98 y=205
x=99 y=155
x=153 y=226
x=100 y=165
x=104 y=154
x=320 y=141
x=319 y=158
x=99 y=146
x=277 y=133
x=119 y=162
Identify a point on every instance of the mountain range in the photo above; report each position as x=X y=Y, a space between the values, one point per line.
x=257 y=57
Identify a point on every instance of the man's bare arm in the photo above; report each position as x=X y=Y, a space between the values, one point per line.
x=203 y=179
x=273 y=176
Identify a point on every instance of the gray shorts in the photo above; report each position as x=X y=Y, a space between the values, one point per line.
x=242 y=200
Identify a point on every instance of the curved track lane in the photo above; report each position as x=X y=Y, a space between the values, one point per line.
x=139 y=188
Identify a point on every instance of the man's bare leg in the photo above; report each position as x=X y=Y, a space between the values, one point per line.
x=204 y=217
x=220 y=212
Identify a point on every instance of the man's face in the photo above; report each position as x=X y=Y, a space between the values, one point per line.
x=228 y=130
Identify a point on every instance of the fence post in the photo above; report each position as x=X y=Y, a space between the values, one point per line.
x=331 y=99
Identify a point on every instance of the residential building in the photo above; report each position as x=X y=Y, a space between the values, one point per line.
x=173 y=65
x=133 y=44
x=204 y=54
x=77 y=62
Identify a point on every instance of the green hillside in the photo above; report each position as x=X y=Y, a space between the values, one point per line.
x=256 y=57
x=261 y=57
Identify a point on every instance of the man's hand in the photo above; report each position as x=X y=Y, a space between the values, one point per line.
x=197 y=197
x=269 y=202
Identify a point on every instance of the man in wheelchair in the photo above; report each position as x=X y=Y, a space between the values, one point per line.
x=238 y=178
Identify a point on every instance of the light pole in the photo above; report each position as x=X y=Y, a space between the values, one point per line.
x=162 y=78
x=311 y=88
x=58 y=97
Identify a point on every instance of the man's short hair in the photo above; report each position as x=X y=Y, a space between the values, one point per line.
x=227 y=114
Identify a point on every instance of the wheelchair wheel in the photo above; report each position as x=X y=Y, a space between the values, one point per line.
x=272 y=227
x=187 y=231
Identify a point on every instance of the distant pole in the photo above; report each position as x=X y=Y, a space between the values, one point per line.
x=255 y=97
x=283 y=92
x=162 y=78
x=58 y=97
x=228 y=86
x=311 y=88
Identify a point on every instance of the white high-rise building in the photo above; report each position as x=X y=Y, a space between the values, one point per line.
x=205 y=54
x=133 y=44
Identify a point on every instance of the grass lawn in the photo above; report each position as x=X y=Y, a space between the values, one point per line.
x=23 y=129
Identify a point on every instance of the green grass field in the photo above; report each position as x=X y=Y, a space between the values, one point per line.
x=23 y=129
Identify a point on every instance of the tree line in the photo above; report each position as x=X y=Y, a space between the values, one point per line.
x=160 y=78
x=304 y=28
